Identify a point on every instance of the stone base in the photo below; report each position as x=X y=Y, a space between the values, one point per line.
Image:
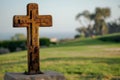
x=48 y=75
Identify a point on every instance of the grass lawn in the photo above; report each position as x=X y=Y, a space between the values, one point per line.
x=88 y=59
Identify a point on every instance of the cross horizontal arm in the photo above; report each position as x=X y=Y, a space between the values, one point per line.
x=44 y=20
x=21 y=21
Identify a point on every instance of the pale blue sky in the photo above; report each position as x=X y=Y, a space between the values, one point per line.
x=62 y=11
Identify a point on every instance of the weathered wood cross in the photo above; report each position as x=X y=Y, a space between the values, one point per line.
x=32 y=20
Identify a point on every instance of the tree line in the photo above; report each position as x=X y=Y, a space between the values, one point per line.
x=99 y=26
x=19 y=43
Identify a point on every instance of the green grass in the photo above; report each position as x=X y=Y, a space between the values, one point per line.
x=86 y=59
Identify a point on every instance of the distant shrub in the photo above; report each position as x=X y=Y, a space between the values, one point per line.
x=77 y=36
x=19 y=45
x=13 y=45
x=111 y=38
x=44 y=42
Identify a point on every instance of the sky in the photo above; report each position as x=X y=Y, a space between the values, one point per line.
x=63 y=13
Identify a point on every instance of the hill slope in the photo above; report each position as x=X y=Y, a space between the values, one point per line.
x=86 y=59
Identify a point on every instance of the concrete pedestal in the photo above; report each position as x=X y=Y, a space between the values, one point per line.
x=48 y=75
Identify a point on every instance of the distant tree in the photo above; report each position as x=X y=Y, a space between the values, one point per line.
x=89 y=16
x=86 y=30
x=114 y=26
x=77 y=36
x=100 y=27
x=18 y=36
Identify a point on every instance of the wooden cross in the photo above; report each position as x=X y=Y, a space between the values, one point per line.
x=32 y=21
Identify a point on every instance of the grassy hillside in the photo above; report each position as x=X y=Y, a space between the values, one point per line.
x=86 y=59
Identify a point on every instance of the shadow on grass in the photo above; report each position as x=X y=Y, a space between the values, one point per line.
x=13 y=63
x=93 y=59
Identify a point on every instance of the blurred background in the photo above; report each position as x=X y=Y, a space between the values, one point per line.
x=64 y=16
x=84 y=40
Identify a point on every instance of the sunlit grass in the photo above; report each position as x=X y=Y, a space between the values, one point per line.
x=77 y=60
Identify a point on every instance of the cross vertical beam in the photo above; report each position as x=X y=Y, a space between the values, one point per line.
x=32 y=20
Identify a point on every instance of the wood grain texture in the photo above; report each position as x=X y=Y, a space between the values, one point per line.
x=32 y=21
